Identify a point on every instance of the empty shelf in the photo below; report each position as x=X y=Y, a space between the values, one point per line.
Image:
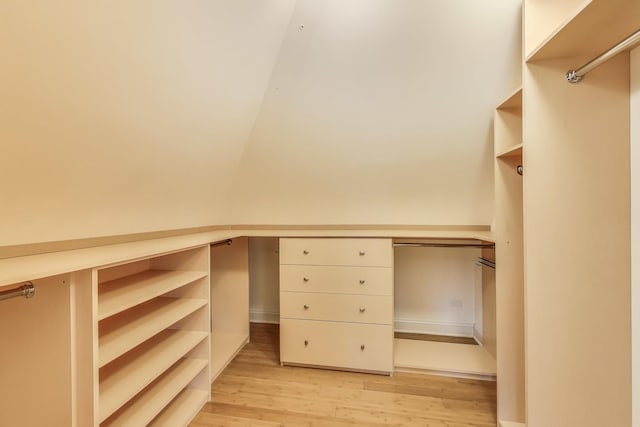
x=182 y=409
x=445 y=358
x=120 y=334
x=120 y=294
x=515 y=151
x=148 y=404
x=126 y=377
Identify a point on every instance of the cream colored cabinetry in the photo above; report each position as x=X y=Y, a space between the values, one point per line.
x=336 y=303
x=577 y=214
x=509 y=290
x=152 y=346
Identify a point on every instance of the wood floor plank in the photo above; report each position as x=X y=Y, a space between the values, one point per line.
x=254 y=390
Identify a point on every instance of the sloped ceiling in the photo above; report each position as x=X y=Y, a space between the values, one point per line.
x=380 y=112
x=126 y=117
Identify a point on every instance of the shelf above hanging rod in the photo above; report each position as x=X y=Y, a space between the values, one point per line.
x=28 y=290
x=576 y=76
x=445 y=245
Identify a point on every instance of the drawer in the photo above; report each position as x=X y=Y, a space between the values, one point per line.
x=337 y=279
x=332 y=344
x=353 y=252
x=337 y=307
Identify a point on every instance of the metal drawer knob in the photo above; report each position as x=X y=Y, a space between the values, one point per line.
x=306 y=252
x=305 y=279
x=306 y=307
x=362 y=253
x=362 y=347
x=362 y=282
x=362 y=309
x=306 y=343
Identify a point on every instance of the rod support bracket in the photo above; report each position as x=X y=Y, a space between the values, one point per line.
x=28 y=290
x=573 y=77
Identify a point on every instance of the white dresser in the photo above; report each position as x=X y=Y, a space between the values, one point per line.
x=336 y=303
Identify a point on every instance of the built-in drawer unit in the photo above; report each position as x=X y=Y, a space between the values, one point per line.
x=336 y=303
x=337 y=279
x=357 y=346
x=351 y=252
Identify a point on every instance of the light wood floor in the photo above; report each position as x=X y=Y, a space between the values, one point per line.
x=255 y=390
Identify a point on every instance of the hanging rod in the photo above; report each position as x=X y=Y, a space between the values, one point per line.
x=575 y=76
x=445 y=245
x=227 y=242
x=27 y=290
x=483 y=262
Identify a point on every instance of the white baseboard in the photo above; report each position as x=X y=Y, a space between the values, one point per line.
x=510 y=424
x=477 y=335
x=434 y=328
x=257 y=316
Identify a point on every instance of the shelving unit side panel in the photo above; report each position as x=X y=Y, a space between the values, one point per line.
x=577 y=245
x=230 y=287
x=510 y=290
x=84 y=331
x=35 y=356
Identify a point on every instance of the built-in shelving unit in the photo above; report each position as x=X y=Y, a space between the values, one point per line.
x=229 y=302
x=576 y=178
x=509 y=290
x=153 y=336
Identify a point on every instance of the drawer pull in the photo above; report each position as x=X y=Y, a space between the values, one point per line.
x=306 y=343
x=306 y=307
x=362 y=309
x=306 y=252
x=362 y=282
x=305 y=279
x=362 y=253
x=362 y=347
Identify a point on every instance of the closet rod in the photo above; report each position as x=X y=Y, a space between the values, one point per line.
x=575 y=76
x=445 y=245
x=227 y=242
x=483 y=262
x=27 y=290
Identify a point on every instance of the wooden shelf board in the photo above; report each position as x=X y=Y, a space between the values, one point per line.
x=592 y=29
x=224 y=347
x=514 y=151
x=513 y=101
x=121 y=333
x=183 y=408
x=126 y=377
x=153 y=399
x=464 y=359
x=118 y=295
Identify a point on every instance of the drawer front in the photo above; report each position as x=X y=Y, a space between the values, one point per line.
x=342 y=345
x=337 y=279
x=353 y=252
x=337 y=307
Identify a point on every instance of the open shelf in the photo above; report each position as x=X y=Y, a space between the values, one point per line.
x=182 y=409
x=224 y=347
x=125 y=377
x=121 y=294
x=588 y=29
x=121 y=333
x=465 y=360
x=515 y=151
x=148 y=404
x=513 y=101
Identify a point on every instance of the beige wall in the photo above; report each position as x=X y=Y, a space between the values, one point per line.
x=123 y=117
x=635 y=232
x=380 y=111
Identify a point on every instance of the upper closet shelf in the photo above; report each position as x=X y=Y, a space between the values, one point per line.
x=513 y=101
x=591 y=29
x=515 y=151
